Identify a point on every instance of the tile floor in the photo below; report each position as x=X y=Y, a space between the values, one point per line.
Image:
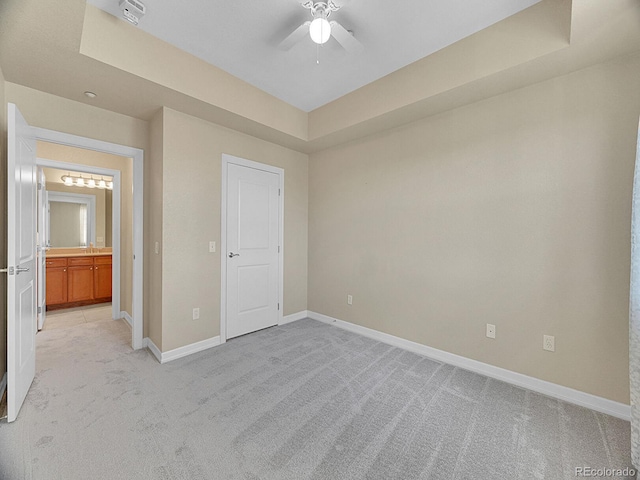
x=71 y=317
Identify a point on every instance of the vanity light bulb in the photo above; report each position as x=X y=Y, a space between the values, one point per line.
x=102 y=184
x=80 y=182
x=110 y=185
x=68 y=181
x=91 y=183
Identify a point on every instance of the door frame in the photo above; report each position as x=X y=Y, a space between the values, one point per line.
x=115 y=219
x=137 y=155
x=230 y=159
x=41 y=246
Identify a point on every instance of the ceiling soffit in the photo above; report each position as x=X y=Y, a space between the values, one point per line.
x=533 y=33
x=529 y=34
x=242 y=38
x=97 y=51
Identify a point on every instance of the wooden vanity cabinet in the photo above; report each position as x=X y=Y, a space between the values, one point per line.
x=102 y=269
x=56 y=281
x=78 y=280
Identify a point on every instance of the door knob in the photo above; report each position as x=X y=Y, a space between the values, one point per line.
x=231 y=254
x=21 y=269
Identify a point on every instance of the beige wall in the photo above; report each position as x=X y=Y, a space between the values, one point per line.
x=3 y=228
x=56 y=113
x=126 y=237
x=513 y=211
x=62 y=153
x=192 y=161
x=44 y=110
x=155 y=229
x=100 y=196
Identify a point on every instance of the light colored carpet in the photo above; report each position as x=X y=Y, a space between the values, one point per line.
x=301 y=401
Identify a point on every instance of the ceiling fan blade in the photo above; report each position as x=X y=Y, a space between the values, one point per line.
x=297 y=35
x=344 y=38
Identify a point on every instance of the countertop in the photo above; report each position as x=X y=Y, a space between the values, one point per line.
x=64 y=255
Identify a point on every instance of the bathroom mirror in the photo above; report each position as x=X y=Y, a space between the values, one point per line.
x=77 y=216
x=72 y=219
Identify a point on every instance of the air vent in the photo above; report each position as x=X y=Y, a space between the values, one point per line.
x=132 y=10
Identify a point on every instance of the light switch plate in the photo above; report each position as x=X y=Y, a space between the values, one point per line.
x=212 y=247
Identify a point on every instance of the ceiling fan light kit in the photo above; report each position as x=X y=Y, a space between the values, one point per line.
x=320 y=29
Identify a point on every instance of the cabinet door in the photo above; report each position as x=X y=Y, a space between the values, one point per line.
x=80 y=283
x=102 y=281
x=56 y=285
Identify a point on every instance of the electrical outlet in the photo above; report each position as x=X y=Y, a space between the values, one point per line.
x=349 y=300
x=549 y=343
x=491 y=331
x=196 y=313
x=212 y=247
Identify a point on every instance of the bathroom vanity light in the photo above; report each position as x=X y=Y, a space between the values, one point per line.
x=80 y=181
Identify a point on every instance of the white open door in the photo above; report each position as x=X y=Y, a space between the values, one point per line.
x=21 y=260
x=252 y=242
x=42 y=247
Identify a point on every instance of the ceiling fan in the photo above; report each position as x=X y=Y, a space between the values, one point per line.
x=320 y=29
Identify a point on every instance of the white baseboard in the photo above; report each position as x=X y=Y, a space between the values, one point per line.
x=164 y=357
x=294 y=317
x=148 y=343
x=554 y=390
x=3 y=384
x=127 y=317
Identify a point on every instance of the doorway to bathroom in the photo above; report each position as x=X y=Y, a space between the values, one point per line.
x=85 y=236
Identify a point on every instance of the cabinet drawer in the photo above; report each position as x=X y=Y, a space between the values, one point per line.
x=56 y=262
x=77 y=261
x=102 y=260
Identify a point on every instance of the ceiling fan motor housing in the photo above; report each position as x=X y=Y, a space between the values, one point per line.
x=321 y=9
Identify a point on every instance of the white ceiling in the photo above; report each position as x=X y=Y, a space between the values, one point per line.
x=242 y=38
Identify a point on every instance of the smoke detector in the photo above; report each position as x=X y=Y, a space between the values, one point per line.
x=132 y=10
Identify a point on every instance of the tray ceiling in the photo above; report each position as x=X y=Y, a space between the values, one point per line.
x=242 y=38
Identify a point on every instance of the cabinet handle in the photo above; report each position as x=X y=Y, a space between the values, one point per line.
x=96 y=268
x=91 y=268
x=64 y=270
